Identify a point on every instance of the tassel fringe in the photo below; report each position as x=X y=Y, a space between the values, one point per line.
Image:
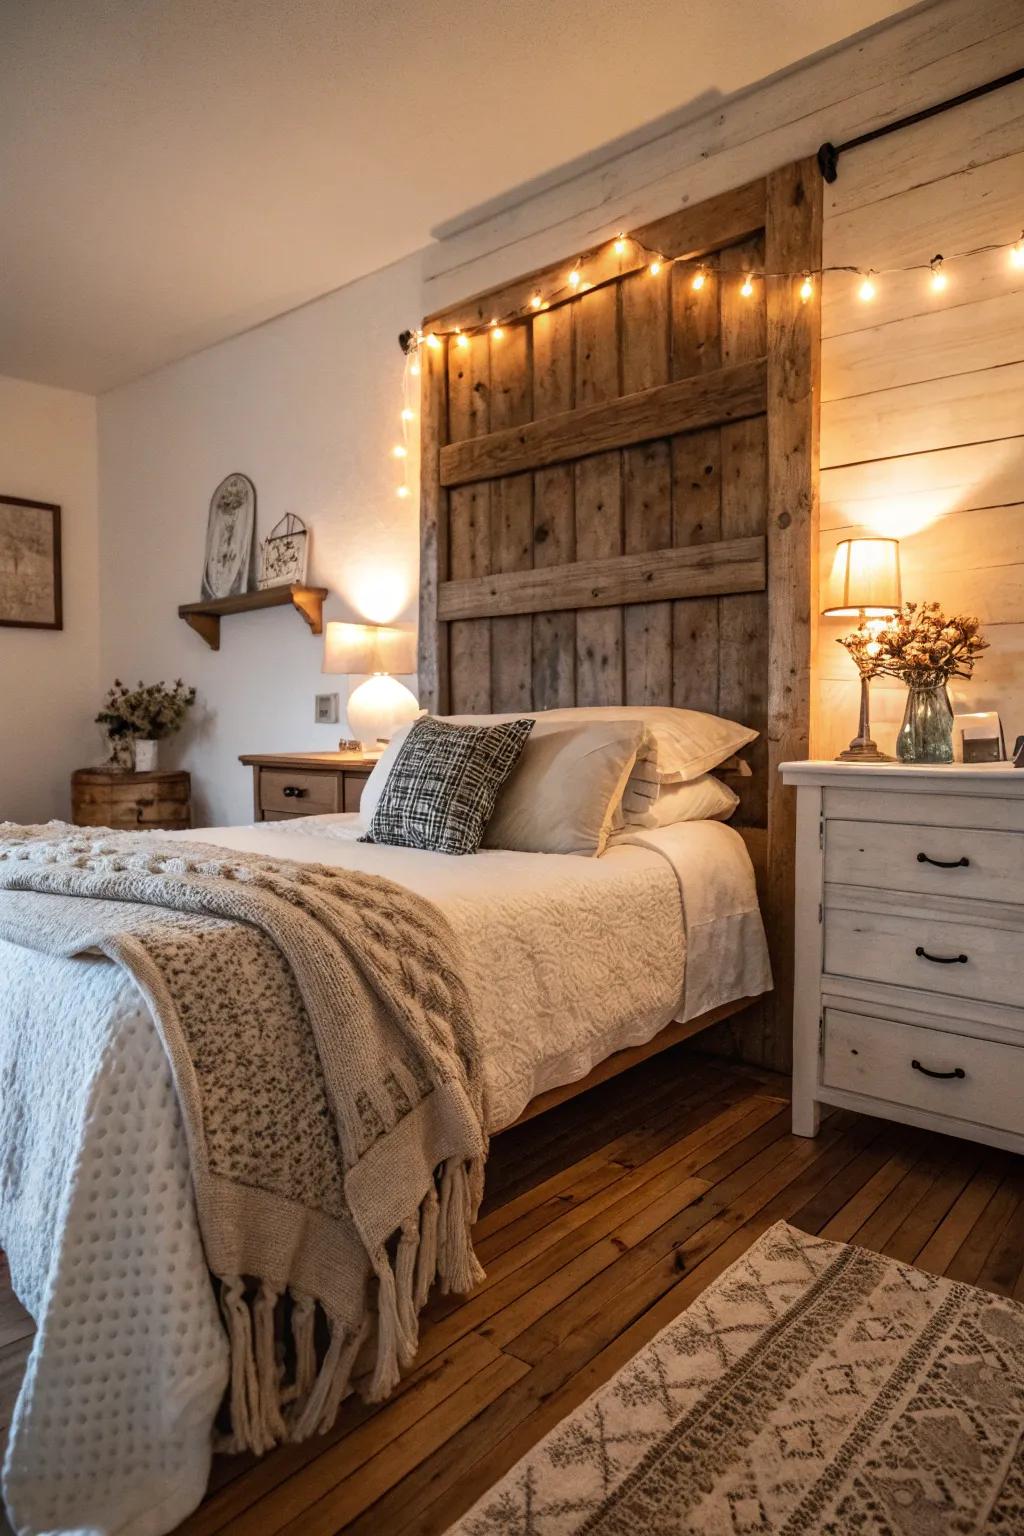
x=434 y=1243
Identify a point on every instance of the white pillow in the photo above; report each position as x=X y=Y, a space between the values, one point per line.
x=564 y=792
x=703 y=799
x=687 y=742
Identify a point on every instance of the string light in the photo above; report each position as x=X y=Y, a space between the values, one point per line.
x=748 y=286
x=867 y=290
x=807 y=288
x=461 y=340
x=655 y=266
x=403 y=491
x=620 y=245
x=939 y=278
x=700 y=277
x=408 y=415
x=574 y=278
x=434 y=342
x=497 y=334
x=399 y=451
x=1017 y=253
x=536 y=302
x=414 y=369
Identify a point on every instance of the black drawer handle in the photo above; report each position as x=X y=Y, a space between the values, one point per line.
x=293 y=792
x=941 y=959
x=956 y=1072
x=962 y=863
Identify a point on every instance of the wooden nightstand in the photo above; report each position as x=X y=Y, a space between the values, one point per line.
x=289 y=784
x=909 y=929
x=131 y=802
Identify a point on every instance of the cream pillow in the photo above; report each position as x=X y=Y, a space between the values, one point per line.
x=703 y=799
x=685 y=742
x=564 y=792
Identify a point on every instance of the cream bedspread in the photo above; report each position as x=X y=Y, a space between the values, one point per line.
x=565 y=959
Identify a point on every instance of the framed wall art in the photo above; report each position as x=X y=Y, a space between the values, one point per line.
x=284 y=553
x=229 y=537
x=30 y=573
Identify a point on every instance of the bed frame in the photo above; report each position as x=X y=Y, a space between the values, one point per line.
x=619 y=505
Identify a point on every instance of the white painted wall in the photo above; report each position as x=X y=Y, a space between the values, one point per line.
x=307 y=406
x=48 y=678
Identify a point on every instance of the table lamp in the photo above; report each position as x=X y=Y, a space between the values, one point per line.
x=376 y=651
x=865 y=584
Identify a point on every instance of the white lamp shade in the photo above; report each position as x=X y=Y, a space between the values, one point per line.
x=378 y=707
x=865 y=579
x=357 y=649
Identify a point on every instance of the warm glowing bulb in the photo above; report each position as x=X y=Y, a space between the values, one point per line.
x=403 y=491
x=496 y=333
x=806 y=289
x=574 y=279
x=747 y=288
x=866 y=291
x=462 y=340
x=408 y=415
x=414 y=369
x=939 y=281
x=1017 y=253
x=536 y=301
x=434 y=342
x=398 y=451
x=654 y=268
x=620 y=245
x=699 y=279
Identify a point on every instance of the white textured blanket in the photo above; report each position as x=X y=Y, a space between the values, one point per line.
x=565 y=960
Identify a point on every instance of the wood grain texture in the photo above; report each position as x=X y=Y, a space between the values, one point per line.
x=554 y=514
x=603 y=1220
x=728 y=395
x=597 y=480
x=433 y=657
x=469 y=523
x=729 y=565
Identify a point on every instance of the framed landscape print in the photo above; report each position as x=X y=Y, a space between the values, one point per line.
x=30 y=582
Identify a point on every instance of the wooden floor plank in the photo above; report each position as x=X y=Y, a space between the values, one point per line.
x=605 y=1219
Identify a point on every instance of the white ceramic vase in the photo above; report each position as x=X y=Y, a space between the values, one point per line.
x=146 y=755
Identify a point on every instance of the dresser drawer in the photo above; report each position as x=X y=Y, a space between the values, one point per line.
x=304 y=794
x=894 y=1062
x=958 y=959
x=925 y=860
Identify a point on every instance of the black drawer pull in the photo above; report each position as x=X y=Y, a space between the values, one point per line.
x=940 y=959
x=293 y=792
x=962 y=863
x=956 y=1072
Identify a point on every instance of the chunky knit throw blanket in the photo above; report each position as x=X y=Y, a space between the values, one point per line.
x=325 y=1063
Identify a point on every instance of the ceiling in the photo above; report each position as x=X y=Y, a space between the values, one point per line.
x=175 y=171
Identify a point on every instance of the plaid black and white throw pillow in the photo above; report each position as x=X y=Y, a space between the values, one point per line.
x=445 y=780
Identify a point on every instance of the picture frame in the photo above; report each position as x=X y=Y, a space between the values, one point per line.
x=31 y=578
x=284 y=554
x=230 y=530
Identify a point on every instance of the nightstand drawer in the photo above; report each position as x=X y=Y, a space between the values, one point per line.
x=962 y=1078
x=925 y=860
x=305 y=794
x=956 y=958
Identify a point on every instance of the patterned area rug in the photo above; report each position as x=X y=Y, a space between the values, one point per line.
x=813 y=1388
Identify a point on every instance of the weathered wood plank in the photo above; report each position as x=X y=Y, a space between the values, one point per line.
x=433 y=661
x=792 y=243
x=942 y=413
x=683 y=406
x=469 y=524
x=647 y=487
x=905 y=495
x=728 y=565
x=554 y=521
x=511 y=522
x=598 y=493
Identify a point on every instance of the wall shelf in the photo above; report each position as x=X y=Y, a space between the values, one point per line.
x=205 y=617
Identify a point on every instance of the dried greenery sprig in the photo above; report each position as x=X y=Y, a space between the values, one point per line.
x=150 y=711
x=920 y=646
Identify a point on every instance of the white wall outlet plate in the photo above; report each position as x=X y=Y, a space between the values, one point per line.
x=326 y=709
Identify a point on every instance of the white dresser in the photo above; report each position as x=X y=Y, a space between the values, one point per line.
x=909 y=996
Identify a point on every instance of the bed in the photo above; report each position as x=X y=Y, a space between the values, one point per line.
x=568 y=961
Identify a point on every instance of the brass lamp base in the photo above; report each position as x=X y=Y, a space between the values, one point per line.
x=862 y=749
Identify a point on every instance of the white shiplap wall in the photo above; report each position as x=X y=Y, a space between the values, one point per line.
x=923 y=400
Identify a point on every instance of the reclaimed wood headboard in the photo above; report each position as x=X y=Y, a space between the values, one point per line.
x=619 y=500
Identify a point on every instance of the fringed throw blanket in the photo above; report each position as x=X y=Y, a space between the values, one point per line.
x=325 y=1064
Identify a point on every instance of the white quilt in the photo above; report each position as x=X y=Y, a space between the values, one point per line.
x=566 y=959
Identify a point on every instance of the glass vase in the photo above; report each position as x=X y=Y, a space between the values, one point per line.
x=926 y=735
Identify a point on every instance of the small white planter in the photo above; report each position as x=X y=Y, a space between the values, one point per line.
x=146 y=755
